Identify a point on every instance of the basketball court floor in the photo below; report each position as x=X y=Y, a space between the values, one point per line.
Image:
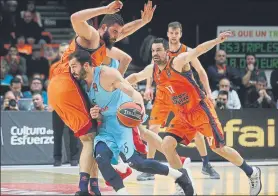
x=47 y=180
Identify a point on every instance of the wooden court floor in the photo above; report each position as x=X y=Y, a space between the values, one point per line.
x=47 y=180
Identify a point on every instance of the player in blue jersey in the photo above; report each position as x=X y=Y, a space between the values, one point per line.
x=107 y=90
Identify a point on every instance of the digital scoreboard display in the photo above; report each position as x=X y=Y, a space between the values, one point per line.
x=261 y=41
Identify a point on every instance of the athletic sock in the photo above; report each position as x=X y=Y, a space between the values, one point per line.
x=84 y=181
x=205 y=160
x=94 y=186
x=174 y=173
x=246 y=168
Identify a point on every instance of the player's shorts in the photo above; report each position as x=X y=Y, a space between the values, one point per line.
x=117 y=137
x=203 y=119
x=161 y=109
x=67 y=99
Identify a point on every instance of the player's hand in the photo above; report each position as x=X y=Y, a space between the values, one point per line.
x=94 y=112
x=114 y=7
x=223 y=36
x=261 y=93
x=148 y=95
x=147 y=14
x=250 y=67
x=209 y=96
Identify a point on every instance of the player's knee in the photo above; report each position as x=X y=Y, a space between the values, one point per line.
x=220 y=150
x=155 y=128
x=168 y=144
x=103 y=158
x=199 y=137
x=136 y=162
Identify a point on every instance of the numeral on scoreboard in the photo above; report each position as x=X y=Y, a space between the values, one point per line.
x=170 y=89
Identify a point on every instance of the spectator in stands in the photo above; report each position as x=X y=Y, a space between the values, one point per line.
x=251 y=72
x=5 y=77
x=24 y=49
x=16 y=63
x=233 y=99
x=274 y=83
x=31 y=7
x=29 y=29
x=259 y=97
x=23 y=82
x=222 y=100
x=37 y=64
x=16 y=86
x=36 y=87
x=11 y=19
x=222 y=70
x=62 y=48
x=10 y=102
x=38 y=104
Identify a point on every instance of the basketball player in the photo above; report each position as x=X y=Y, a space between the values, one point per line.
x=195 y=111
x=162 y=107
x=65 y=95
x=107 y=90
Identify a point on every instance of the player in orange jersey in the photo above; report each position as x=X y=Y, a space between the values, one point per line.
x=162 y=107
x=196 y=112
x=65 y=95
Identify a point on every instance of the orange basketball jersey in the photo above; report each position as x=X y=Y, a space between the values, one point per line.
x=183 y=91
x=62 y=66
x=183 y=48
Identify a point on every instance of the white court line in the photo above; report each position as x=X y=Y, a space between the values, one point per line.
x=50 y=167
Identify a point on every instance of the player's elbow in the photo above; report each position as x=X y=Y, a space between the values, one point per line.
x=127 y=59
x=73 y=17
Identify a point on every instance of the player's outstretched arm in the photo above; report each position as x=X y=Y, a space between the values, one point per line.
x=186 y=57
x=142 y=75
x=119 y=82
x=123 y=58
x=146 y=17
x=79 y=20
x=202 y=75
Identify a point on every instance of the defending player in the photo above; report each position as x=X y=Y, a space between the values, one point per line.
x=195 y=111
x=65 y=95
x=107 y=90
x=162 y=107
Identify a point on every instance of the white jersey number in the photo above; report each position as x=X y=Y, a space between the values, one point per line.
x=170 y=89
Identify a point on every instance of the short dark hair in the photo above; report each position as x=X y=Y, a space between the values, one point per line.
x=82 y=56
x=37 y=93
x=39 y=79
x=250 y=54
x=110 y=19
x=162 y=41
x=15 y=81
x=223 y=93
x=261 y=79
x=175 y=25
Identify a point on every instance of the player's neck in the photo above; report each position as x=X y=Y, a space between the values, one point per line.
x=89 y=79
x=163 y=65
x=174 y=47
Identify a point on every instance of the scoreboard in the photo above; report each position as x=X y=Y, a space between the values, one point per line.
x=259 y=40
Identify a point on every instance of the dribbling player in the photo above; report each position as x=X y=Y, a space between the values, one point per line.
x=196 y=111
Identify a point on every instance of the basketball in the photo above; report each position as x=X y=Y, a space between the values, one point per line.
x=129 y=114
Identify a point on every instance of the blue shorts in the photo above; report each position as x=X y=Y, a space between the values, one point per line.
x=118 y=138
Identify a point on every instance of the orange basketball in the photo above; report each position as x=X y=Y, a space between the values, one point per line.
x=129 y=114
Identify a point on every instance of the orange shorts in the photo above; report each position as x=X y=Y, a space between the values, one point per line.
x=203 y=119
x=161 y=109
x=68 y=101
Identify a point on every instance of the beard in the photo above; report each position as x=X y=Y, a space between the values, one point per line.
x=81 y=76
x=109 y=43
x=159 y=61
